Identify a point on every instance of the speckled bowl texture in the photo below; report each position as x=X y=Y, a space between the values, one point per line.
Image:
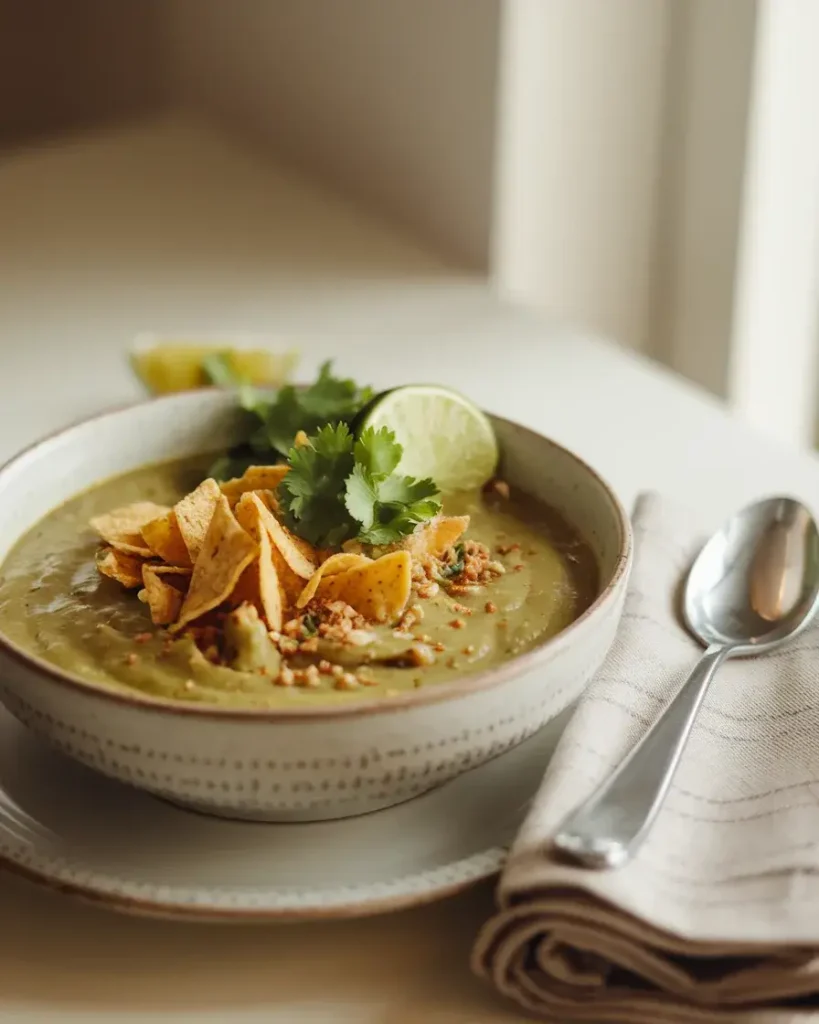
x=296 y=764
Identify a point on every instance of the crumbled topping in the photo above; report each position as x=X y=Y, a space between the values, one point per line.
x=312 y=676
x=346 y=681
x=286 y=677
x=505 y=549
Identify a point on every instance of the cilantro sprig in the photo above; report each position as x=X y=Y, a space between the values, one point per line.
x=339 y=488
x=274 y=418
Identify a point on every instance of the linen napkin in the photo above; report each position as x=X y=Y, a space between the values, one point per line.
x=717 y=917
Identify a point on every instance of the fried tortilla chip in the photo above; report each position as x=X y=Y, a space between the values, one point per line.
x=259 y=584
x=299 y=556
x=165 y=587
x=378 y=590
x=255 y=478
x=334 y=564
x=116 y=565
x=164 y=538
x=122 y=528
x=193 y=515
x=226 y=552
x=435 y=537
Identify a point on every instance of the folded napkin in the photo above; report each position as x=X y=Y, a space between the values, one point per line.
x=717 y=917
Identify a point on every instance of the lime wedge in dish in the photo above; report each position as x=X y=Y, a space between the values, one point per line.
x=177 y=365
x=443 y=434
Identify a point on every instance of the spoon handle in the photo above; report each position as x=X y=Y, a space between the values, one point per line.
x=607 y=828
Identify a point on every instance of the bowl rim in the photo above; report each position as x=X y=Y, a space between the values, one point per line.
x=360 y=707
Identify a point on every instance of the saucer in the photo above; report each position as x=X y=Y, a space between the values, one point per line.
x=75 y=831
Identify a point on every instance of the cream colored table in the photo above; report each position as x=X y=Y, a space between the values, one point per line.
x=166 y=227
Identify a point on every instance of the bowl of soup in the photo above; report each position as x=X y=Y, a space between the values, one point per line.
x=171 y=632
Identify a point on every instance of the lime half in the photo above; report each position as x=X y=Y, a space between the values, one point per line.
x=443 y=434
x=165 y=366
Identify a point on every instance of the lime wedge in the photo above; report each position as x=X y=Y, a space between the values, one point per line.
x=442 y=433
x=167 y=366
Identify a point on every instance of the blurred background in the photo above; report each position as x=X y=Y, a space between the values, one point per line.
x=643 y=169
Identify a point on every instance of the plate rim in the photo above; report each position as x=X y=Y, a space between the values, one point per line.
x=110 y=887
x=180 y=911
x=74 y=874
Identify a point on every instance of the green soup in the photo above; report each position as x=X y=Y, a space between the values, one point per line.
x=54 y=603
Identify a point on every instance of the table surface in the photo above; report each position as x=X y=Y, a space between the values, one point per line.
x=169 y=227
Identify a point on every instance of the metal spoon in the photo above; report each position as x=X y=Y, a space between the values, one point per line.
x=754 y=585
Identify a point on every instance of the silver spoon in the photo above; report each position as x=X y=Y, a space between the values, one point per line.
x=754 y=585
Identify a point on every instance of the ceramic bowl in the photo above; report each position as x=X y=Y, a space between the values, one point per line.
x=297 y=764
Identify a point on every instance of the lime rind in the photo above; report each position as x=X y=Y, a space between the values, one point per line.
x=443 y=434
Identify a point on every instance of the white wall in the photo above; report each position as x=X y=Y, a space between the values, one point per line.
x=393 y=100
x=707 y=133
x=740 y=309
x=579 y=159
x=521 y=137
x=646 y=168
x=65 y=66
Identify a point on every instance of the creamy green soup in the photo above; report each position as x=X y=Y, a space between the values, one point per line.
x=54 y=603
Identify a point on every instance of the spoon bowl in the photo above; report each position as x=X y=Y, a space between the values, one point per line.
x=755 y=584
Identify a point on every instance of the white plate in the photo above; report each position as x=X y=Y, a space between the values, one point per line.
x=73 y=830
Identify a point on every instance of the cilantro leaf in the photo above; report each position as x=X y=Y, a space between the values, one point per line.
x=338 y=488
x=377 y=452
x=281 y=415
x=313 y=490
x=330 y=398
x=388 y=510
x=361 y=495
x=393 y=521
x=405 y=490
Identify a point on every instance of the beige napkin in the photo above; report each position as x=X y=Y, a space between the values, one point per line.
x=717 y=918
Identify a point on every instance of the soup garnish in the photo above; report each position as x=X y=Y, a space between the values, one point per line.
x=323 y=573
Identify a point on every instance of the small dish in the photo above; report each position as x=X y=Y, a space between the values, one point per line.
x=300 y=763
x=77 y=832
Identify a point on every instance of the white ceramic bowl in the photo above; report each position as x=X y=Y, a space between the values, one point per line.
x=290 y=764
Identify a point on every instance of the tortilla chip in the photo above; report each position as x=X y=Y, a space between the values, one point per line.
x=300 y=557
x=165 y=587
x=116 y=565
x=193 y=515
x=226 y=552
x=378 y=590
x=334 y=564
x=435 y=537
x=251 y=509
x=122 y=528
x=259 y=584
x=164 y=538
x=255 y=478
